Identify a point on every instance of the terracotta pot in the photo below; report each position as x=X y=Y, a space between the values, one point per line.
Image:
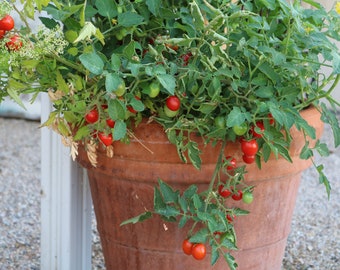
x=122 y=187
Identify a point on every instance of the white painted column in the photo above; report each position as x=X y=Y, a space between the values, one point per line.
x=66 y=238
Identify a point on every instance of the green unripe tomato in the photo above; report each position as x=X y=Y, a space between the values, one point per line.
x=120 y=89
x=241 y=129
x=170 y=113
x=220 y=122
x=154 y=89
x=247 y=197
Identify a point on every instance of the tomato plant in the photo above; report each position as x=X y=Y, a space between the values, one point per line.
x=250 y=147
x=15 y=43
x=92 y=116
x=7 y=23
x=199 y=251
x=106 y=139
x=187 y=247
x=173 y=103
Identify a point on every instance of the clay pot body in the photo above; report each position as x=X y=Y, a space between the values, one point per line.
x=122 y=187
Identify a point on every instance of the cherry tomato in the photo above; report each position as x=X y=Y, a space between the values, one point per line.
x=199 y=251
x=187 y=247
x=220 y=122
x=230 y=218
x=2 y=33
x=105 y=139
x=247 y=197
x=232 y=163
x=92 y=116
x=173 y=103
x=14 y=43
x=120 y=89
x=237 y=196
x=241 y=129
x=271 y=119
x=7 y=23
x=248 y=159
x=225 y=193
x=154 y=89
x=249 y=148
x=259 y=125
x=110 y=123
x=170 y=113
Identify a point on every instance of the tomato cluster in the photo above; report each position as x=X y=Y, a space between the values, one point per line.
x=14 y=42
x=197 y=250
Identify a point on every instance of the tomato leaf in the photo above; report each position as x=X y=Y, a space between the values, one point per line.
x=215 y=254
x=116 y=109
x=168 y=82
x=306 y=152
x=81 y=133
x=194 y=154
x=183 y=221
x=119 y=130
x=322 y=149
x=169 y=195
x=129 y=18
x=92 y=62
x=154 y=6
x=107 y=8
x=231 y=261
x=200 y=237
x=139 y=218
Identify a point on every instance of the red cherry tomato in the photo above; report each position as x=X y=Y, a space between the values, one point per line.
x=225 y=193
x=232 y=163
x=14 y=44
x=105 y=139
x=173 y=103
x=7 y=23
x=110 y=123
x=2 y=33
x=237 y=196
x=230 y=218
x=249 y=148
x=199 y=251
x=92 y=116
x=248 y=159
x=260 y=125
x=187 y=247
x=271 y=119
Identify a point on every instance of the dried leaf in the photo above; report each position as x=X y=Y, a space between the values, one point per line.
x=92 y=153
x=109 y=151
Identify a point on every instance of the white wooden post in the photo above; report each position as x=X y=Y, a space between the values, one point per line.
x=66 y=205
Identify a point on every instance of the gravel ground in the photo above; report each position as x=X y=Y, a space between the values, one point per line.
x=313 y=244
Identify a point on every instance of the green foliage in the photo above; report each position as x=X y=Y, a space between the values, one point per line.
x=242 y=62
